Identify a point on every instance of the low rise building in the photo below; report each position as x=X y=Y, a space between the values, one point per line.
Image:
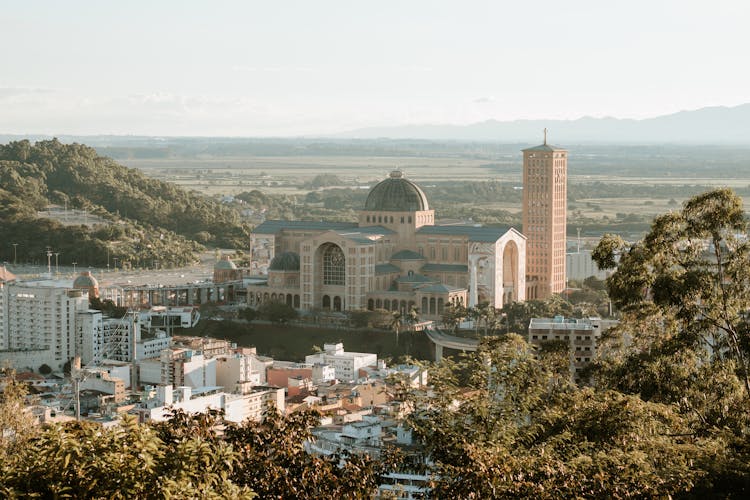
x=345 y=364
x=237 y=407
x=581 y=335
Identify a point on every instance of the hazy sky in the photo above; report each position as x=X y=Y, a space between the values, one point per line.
x=249 y=68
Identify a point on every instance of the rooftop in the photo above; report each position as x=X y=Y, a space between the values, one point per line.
x=474 y=233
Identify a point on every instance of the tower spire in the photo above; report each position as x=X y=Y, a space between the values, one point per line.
x=545 y=136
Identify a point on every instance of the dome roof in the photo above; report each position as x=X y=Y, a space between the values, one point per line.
x=286 y=261
x=396 y=194
x=225 y=263
x=85 y=280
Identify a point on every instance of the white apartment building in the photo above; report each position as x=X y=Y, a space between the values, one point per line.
x=237 y=407
x=235 y=373
x=99 y=337
x=37 y=322
x=185 y=367
x=346 y=364
x=580 y=265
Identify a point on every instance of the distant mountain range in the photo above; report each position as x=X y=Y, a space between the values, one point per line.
x=712 y=125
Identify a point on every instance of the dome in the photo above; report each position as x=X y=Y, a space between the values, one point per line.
x=287 y=261
x=85 y=280
x=396 y=194
x=225 y=263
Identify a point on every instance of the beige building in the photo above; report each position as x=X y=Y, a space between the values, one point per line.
x=580 y=334
x=545 y=174
x=394 y=258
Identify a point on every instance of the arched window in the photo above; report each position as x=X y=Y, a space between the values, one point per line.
x=334 y=271
x=337 y=303
x=326 y=302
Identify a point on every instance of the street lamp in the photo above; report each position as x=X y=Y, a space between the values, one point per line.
x=57 y=268
x=74 y=267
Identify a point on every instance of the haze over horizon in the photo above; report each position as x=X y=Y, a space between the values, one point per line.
x=304 y=68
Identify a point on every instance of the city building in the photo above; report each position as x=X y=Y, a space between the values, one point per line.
x=395 y=258
x=185 y=367
x=234 y=372
x=581 y=335
x=545 y=170
x=579 y=266
x=38 y=320
x=345 y=364
x=237 y=407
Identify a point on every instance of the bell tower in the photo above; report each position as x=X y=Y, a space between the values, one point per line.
x=545 y=180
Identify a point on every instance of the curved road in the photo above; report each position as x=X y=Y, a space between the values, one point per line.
x=445 y=341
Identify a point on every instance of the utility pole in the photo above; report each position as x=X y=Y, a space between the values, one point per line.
x=49 y=261
x=57 y=267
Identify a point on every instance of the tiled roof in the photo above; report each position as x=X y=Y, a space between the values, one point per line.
x=275 y=226
x=474 y=233
x=386 y=269
x=407 y=255
x=445 y=268
x=439 y=288
x=545 y=147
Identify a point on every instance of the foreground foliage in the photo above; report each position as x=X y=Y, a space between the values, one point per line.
x=188 y=456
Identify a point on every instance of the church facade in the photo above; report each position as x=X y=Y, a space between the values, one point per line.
x=395 y=258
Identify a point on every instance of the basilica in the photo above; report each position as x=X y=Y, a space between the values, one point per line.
x=395 y=258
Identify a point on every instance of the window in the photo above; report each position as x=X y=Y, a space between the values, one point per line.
x=333 y=266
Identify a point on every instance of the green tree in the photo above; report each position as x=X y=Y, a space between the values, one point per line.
x=691 y=270
x=277 y=312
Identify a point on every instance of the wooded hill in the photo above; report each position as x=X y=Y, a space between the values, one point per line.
x=149 y=220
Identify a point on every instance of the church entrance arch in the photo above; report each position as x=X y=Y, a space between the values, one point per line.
x=329 y=276
x=511 y=282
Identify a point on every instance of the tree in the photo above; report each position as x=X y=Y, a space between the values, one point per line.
x=16 y=423
x=277 y=312
x=45 y=369
x=452 y=315
x=691 y=268
x=248 y=314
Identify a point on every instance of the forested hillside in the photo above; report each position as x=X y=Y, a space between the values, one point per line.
x=148 y=219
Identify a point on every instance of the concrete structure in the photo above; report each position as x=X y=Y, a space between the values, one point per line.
x=151 y=345
x=37 y=322
x=394 y=258
x=345 y=364
x=185 y=367
x=579 y=266
x=237 y=407
x=442 y=341
x=99 y=337
x=234 y=372
x=170 y=317
x=545 y=170
x=101 y=380
x=581 y=335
